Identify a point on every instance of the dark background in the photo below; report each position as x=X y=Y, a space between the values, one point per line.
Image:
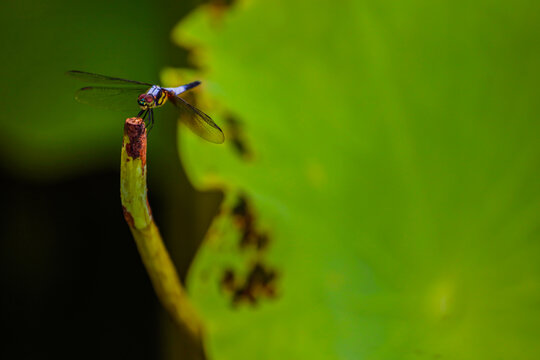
x=71 y=277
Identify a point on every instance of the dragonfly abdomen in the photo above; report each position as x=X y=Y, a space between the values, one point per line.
x=180 y=89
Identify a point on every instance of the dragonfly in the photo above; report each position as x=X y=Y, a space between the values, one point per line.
x=121 y=94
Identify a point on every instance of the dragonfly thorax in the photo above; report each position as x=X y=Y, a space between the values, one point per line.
x=154 y=97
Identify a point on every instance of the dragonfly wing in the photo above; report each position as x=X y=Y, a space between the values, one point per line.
x=197 y=121
x=113 y=98
x=102 y=79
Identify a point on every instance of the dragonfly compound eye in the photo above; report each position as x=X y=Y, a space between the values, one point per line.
x=149 y=99
x=140 y=100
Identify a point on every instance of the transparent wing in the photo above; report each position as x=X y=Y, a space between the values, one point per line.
x=197 y=121
x=102 y=79
x=113 y=98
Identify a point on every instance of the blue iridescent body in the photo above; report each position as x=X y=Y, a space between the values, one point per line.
x=159 y=94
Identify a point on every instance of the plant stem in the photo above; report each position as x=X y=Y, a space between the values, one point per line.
x=138 y=215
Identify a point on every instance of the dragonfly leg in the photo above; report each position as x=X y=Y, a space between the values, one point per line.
x=142 y=114
x=150 y=120
x=150 y=123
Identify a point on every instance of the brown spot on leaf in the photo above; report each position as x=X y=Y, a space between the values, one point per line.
x=237 y=139
x=228 y=280
x=262 y=241
x=245 y=220
x=219 y=7
x=241 y=207
x=259 y=283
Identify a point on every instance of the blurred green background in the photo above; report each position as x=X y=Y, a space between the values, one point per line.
x=377 y=196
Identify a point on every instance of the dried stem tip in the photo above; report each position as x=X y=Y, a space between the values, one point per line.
x=135 y=130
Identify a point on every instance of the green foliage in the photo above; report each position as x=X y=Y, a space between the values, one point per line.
x=394 y=168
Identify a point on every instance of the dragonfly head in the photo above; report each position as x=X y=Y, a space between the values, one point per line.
x=146 y=101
